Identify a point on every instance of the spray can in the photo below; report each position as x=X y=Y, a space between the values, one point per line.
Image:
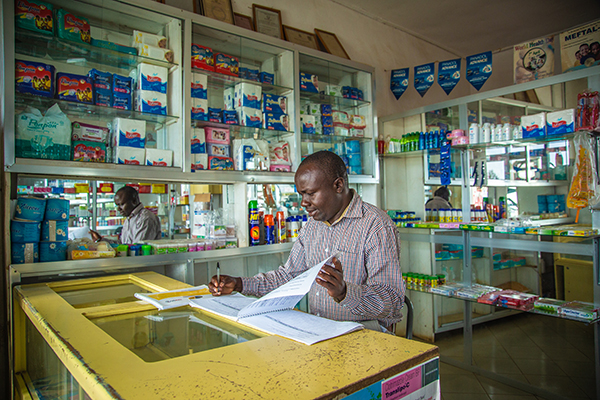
x=280 y=229
x=269 y=229
x=254 y=222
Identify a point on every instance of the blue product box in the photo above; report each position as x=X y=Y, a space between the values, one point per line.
x=326 y=110
x=221 y=150
x=250 y=74
x=71 y=87
x=230 y=117
x=114 y=46
x=355 y=170
x=199 y=93
x=354 y=160
x=199 y=116
x=220 y=163
x=103 y=97
x=267 y=78
x=122 y=84
x=102 y=80
x=151 y=102
x=214 y=114
x=277 y=122
x=309 y=83
x=359 y=94
x=328 y=130
x=353 y=147
x=542 y=208
x=121 y=101
x=542 y=199
x=347 y=92
x=274 y=104
x=327 y=121
x=354 y=93
x=553 y=207
x=35 y=78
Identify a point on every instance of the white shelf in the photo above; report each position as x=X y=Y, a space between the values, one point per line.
x=108 y=228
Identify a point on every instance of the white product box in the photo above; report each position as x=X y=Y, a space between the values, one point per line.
x=200 y=109
x=199 y=161
x=229 y=99
x=150 y=102
x=313 y=109
x=533 y=126
x=198 y=141
x=333 y=90
x=247 y=95
x=149 y=38
x=308 y=123
x=129 y=133
x=250 y=117
x=159 y=158
x=157 y=53
x=130 y=155
x=199 y=85
x=560 y=122
x=152 y=77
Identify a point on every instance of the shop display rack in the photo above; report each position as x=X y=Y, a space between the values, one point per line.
x=222 y=81
x=336 y=102
x=243 y=132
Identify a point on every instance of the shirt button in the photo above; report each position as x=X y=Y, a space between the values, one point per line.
x=317 y=293
x=326 y=250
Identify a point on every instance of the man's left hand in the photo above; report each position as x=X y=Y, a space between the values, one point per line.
x=331 y=277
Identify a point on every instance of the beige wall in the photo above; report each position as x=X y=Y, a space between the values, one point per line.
x=385 y=48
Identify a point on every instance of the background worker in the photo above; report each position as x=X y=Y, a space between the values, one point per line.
x=365 y=283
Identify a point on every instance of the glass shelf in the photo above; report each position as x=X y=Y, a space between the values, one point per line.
x=335 y=101
x=519 y=142
x=77 y=53
x=108 y=228
x=222 y=81
x=244 y=132
x=83 y=110
x=583 y=233
x=315 y=138
x=531 y=310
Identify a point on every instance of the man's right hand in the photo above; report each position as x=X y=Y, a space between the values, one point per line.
x=227 y=285
x=95 y=235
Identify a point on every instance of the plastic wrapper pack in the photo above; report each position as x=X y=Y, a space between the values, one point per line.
x=280 y=153
x=43 y=136
x=588 y=110
x=584 y=185
x=81 y=249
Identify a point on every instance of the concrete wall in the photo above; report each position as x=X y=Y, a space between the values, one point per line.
x=381 y=46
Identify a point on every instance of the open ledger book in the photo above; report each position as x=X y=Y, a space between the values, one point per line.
x=173 y=298
x=274 y=314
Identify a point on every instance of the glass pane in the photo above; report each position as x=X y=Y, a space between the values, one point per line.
x=445 y=119
x=161 y=335
x=101 y=295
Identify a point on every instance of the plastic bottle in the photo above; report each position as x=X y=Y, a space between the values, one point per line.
x=295 y=223
x=486 y=133
x=502 y=204
x=261 y=227
x=254 y=223
x=280 y=229
x=269 y=229
x=288 y=224
x=474 y=133
x=421 y=141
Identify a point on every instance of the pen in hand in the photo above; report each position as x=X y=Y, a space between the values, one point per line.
x=218 y=274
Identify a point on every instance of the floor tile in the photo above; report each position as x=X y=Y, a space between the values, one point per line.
x=571 y=354
x=533 y=352
x=582 y=369
x=587 y=385
x=447 y=369
x=512 y=397
x=539 y=367
x=460 y=384
x=497 y=365
x=490 y=351
x=493 y=387
x=466 y=396
x=561 y=385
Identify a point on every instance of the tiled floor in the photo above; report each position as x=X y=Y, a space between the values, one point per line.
x=555 y=354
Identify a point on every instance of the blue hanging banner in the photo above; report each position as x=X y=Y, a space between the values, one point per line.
x=479 y=69
x=424 y=77
x=449 y=74
x=399 y=82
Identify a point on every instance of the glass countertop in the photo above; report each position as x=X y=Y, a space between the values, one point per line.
x=160 y=335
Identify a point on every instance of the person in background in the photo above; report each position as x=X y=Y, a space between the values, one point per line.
x=441 y=199
x=140 y=224
x=364 y=283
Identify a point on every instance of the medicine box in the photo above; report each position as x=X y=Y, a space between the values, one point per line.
x=130 y=156
x=560 y=122
x=159 y=157
x=533 y=126
x=129 y=132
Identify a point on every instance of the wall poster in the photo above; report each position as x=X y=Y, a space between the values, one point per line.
x=580 y=47
x=534 y=60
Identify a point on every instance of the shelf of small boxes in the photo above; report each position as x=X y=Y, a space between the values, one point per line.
x=505 y=298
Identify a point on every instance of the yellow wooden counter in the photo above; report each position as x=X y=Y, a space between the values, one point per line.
x=268 y=367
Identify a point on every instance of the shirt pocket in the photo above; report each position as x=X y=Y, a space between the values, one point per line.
x=353 y=261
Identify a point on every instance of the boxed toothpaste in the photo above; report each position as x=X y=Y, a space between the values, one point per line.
x=130 y=156
x=251 y=74
x=140 y=37
x=35 y=78
x=122 y=101
x=533 y=126
x=89 y=133
x=198 y=141
x=308 y=123
x=247 y=95
x=103 y=97
x=214 y=114
x=214 y=149
x=199 y=161
x=73 y=87
x=149 y=101
x=309 y=83
x=100 y=79
x=34 y=15
x=220 y=163
x=129 y=133
x=217 y=135
x=560 y=122
x=226 y=64
x=122 y=84
x=277 y=122
x=200 y=109
x=266 y=77
x=250 y=117
x=273 y=103
x=202 y=57
x=230 y=117
x=159 y=158
x=89 y=151
x=152 y=78
x=199 y=85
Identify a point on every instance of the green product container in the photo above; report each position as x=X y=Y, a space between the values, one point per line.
x=146 y=250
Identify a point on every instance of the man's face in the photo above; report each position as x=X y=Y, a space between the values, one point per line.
x=124 y=205
x=321 y=196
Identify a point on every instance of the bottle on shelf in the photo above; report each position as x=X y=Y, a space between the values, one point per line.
x=254 y=221
x=280 y=229
x=269 y=229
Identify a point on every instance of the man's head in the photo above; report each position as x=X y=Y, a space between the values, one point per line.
x=443 y=192
x=126 y=200
x=322 y=181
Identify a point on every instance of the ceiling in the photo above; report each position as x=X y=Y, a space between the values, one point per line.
x=466 y=27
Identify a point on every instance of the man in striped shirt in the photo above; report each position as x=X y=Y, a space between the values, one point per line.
x=365 y=283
